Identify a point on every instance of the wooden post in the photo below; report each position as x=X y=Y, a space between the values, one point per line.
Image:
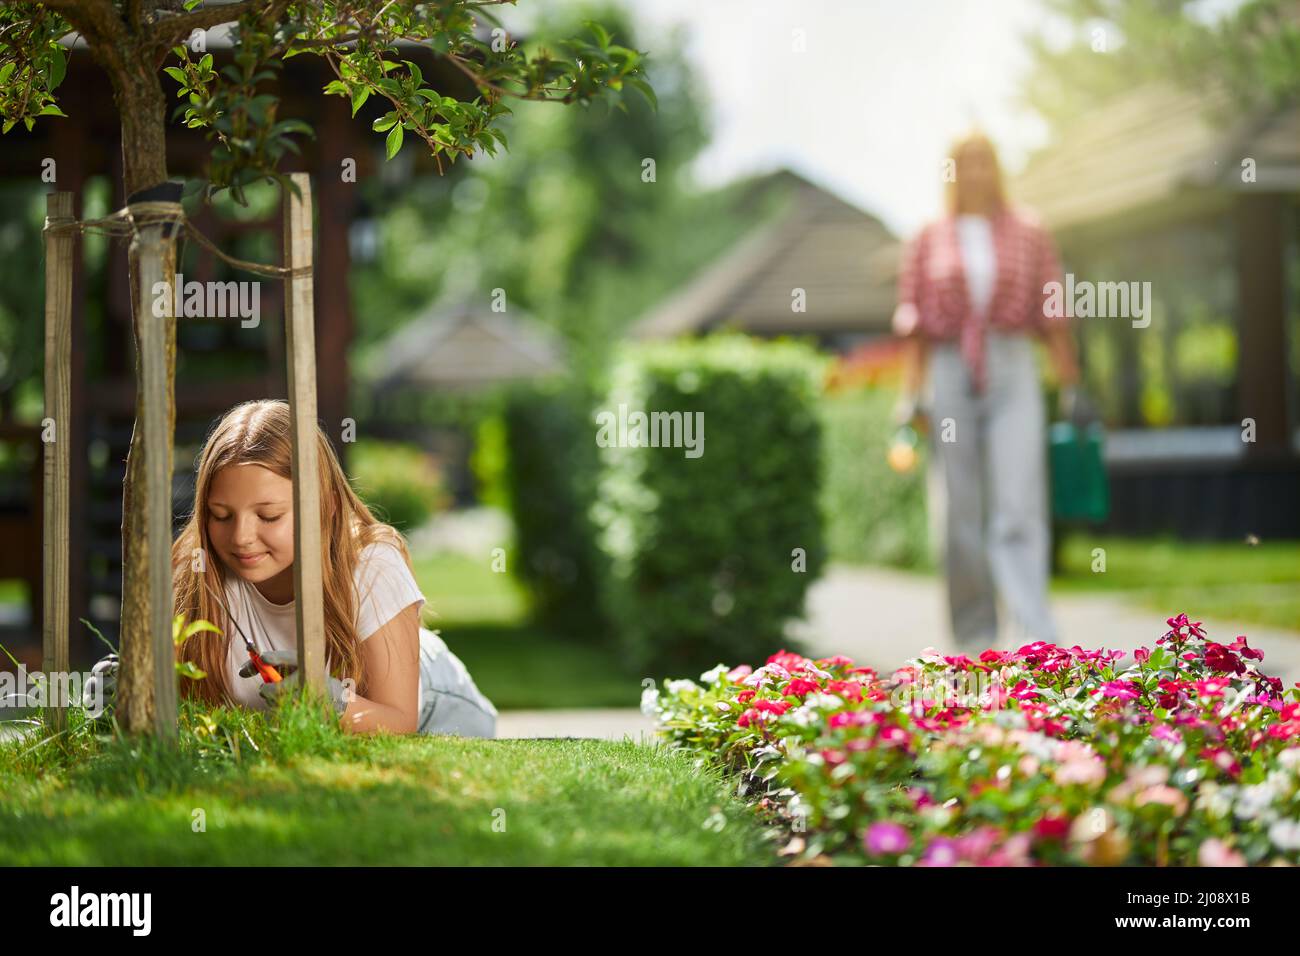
x=156 y=258
x=57 y=436
x=300 y=344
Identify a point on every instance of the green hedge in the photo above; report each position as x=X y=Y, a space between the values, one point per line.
x=400 y=481
x=550 y=474
x=873 y=515
x=702 y=548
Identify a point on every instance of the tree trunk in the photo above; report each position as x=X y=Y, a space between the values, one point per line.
x=142 y=105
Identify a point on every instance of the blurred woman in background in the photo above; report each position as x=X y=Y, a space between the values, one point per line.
x=970 y=299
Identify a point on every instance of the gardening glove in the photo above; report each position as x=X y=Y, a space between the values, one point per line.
x=101 y=683
x=286 y=662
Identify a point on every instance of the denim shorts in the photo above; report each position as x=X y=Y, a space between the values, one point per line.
x=450 y=703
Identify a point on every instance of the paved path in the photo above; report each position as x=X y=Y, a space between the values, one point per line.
x=881 y=617
x=604 y=724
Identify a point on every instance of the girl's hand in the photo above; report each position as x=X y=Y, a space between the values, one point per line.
x=286 y=662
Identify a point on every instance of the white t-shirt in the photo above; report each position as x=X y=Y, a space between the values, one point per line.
x=978 y=259
x=385 y=587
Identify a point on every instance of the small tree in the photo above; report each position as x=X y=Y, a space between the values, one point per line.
x=139 y=42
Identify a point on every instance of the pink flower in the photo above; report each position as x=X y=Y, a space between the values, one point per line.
x=737 y=673
x=1142 y=655
x=1214 y=852
x=848 y=689
x=1212 y=687
x=1123 y=689
x=886 y=839
x=1053 y=827
x=833 y=758
x=744 y=696
x=1087 y=770
x=1165 y=732
x=836 y=661
x=942 y=851
x=777 y=707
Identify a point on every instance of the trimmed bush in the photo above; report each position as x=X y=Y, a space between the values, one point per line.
x=873 y=514
x=711 y=555
x=400 y=480
x=550 y=474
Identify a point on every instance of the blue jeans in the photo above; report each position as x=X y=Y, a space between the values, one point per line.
x=450 y=703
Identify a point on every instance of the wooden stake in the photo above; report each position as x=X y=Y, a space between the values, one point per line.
x=57 y=435
x=300 y=344
x=156 y=257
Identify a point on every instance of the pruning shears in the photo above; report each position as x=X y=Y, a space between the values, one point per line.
x=269 y=674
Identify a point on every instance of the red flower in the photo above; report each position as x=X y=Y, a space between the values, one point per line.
x=1123 y=689
x=1052 y=827
x=848 y=689
x=777 y=707
x=800 y=687
x=826 y=663
x=788 y=660
x=833 y=758
x=748 y=717
x=744 y=696
x=1220 y=658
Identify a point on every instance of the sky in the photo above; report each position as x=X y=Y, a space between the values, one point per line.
x=870 y=104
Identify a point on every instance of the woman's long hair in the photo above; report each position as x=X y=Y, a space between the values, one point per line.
x=258 y=433
x=954 y=188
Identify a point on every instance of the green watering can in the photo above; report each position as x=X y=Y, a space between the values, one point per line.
x=1080 y=491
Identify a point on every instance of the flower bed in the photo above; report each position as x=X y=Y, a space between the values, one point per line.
x=1043 y=755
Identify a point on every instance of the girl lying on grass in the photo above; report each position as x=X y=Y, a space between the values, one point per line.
x=403 y=677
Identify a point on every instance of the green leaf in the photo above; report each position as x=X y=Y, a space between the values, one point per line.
x=58 y=67
x=645 y=90
x=394 y=141
x=359 y=97
x=190 y=670
x=177 y=74
x=205 y=64
x=51 y=109
x=384 y=122
x=197 y=627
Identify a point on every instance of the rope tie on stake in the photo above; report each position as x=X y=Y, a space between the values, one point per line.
x=130 y=220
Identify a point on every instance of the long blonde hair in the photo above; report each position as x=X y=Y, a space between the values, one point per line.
x=975 y=139
x=258 y=433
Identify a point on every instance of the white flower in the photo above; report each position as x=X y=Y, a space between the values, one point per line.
x=722 y=705
x=1254 y=800
x=1214 y=801
x=1290 y=758
x=824 y=701
x=677 y=687
x=1285 y=834
x=802 y=716
x=714 y=675
x=650 y=701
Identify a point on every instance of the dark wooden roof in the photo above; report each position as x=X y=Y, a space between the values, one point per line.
x=464 y=347
x=839 y=255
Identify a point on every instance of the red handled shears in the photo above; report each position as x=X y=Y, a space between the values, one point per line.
x=269 y=674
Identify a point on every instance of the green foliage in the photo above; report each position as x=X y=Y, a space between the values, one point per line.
x=873 y=514
x=400 y=480
x=356 y=39
x=1252 y=47
x=488 y=462
x=568 y=223
x=550 y=479
x=706 y=551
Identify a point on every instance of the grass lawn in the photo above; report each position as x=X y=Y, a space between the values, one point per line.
x=285 y=789
x=482 y=617
x=1257 y=584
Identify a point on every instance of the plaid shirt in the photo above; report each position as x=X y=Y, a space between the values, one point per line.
x=933 y=301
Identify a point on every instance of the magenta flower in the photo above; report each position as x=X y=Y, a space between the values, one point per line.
x=886 y=839
x=1123 y=689
x=942 y=851
x=1220 y=658
x=1142 y=655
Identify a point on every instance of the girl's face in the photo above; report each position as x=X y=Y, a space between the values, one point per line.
x=250 y=525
